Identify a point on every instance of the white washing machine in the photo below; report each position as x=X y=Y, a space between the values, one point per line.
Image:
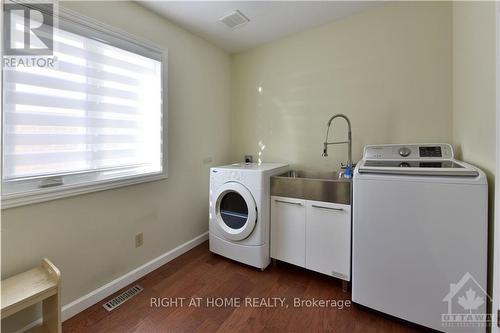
x=420 y=236
x=239 y=211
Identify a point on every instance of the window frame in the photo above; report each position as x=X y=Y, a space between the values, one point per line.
x=94 y=181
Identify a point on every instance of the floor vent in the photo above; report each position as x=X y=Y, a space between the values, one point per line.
x=122 y=298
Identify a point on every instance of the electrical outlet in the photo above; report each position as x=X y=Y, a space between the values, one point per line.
x=139 y=240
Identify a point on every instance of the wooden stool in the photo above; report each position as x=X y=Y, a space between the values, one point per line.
x=40 y=284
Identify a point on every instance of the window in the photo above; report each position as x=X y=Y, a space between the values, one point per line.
x=92 y=121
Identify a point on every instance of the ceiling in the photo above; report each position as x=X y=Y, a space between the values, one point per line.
x=269 y=20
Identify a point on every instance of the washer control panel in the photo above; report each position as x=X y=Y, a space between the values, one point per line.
x=438 y=151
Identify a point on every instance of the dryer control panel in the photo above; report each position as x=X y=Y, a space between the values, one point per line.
x=225 y=175
x=438 y=151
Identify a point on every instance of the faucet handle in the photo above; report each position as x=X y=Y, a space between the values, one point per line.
x=344 y=166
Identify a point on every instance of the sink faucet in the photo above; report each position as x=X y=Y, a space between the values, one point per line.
x=348 y=142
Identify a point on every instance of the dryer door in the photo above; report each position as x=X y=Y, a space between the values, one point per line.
x=235 y=211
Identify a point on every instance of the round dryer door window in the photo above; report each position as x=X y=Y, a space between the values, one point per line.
x=235 y=211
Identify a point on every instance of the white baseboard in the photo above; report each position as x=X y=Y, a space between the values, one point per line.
x=82 y=303
x=77 y=306
x=29 y=326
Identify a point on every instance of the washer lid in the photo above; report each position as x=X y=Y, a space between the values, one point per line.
x=235 y=211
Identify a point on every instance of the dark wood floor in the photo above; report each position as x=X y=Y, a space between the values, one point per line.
x=198 y=273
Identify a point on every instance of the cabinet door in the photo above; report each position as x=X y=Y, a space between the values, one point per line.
x=288 y=229
x=328 y=238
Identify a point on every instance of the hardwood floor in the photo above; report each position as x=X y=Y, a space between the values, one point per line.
x=198 y=273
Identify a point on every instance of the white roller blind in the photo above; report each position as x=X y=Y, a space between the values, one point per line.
x=99 y=108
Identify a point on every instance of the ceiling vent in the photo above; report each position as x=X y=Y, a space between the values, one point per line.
x=234 y=19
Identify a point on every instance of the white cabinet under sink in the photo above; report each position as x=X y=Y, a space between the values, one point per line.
x=288 y=227
x=328 y=238
x=312 y=234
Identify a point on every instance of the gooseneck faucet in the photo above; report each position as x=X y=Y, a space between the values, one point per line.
x=348 y=142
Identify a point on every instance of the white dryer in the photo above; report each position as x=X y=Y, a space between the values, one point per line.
x=420 y=236
x=239 y=211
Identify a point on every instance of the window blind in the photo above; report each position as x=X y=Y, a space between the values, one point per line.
x=99 y=108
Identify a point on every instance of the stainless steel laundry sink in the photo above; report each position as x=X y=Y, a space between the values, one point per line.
x=312 y=185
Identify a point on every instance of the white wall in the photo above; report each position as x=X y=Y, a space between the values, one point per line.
x=474 y=82
x=91 y=237
x=388 y=69
x=403 y=72
x=475 y=94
